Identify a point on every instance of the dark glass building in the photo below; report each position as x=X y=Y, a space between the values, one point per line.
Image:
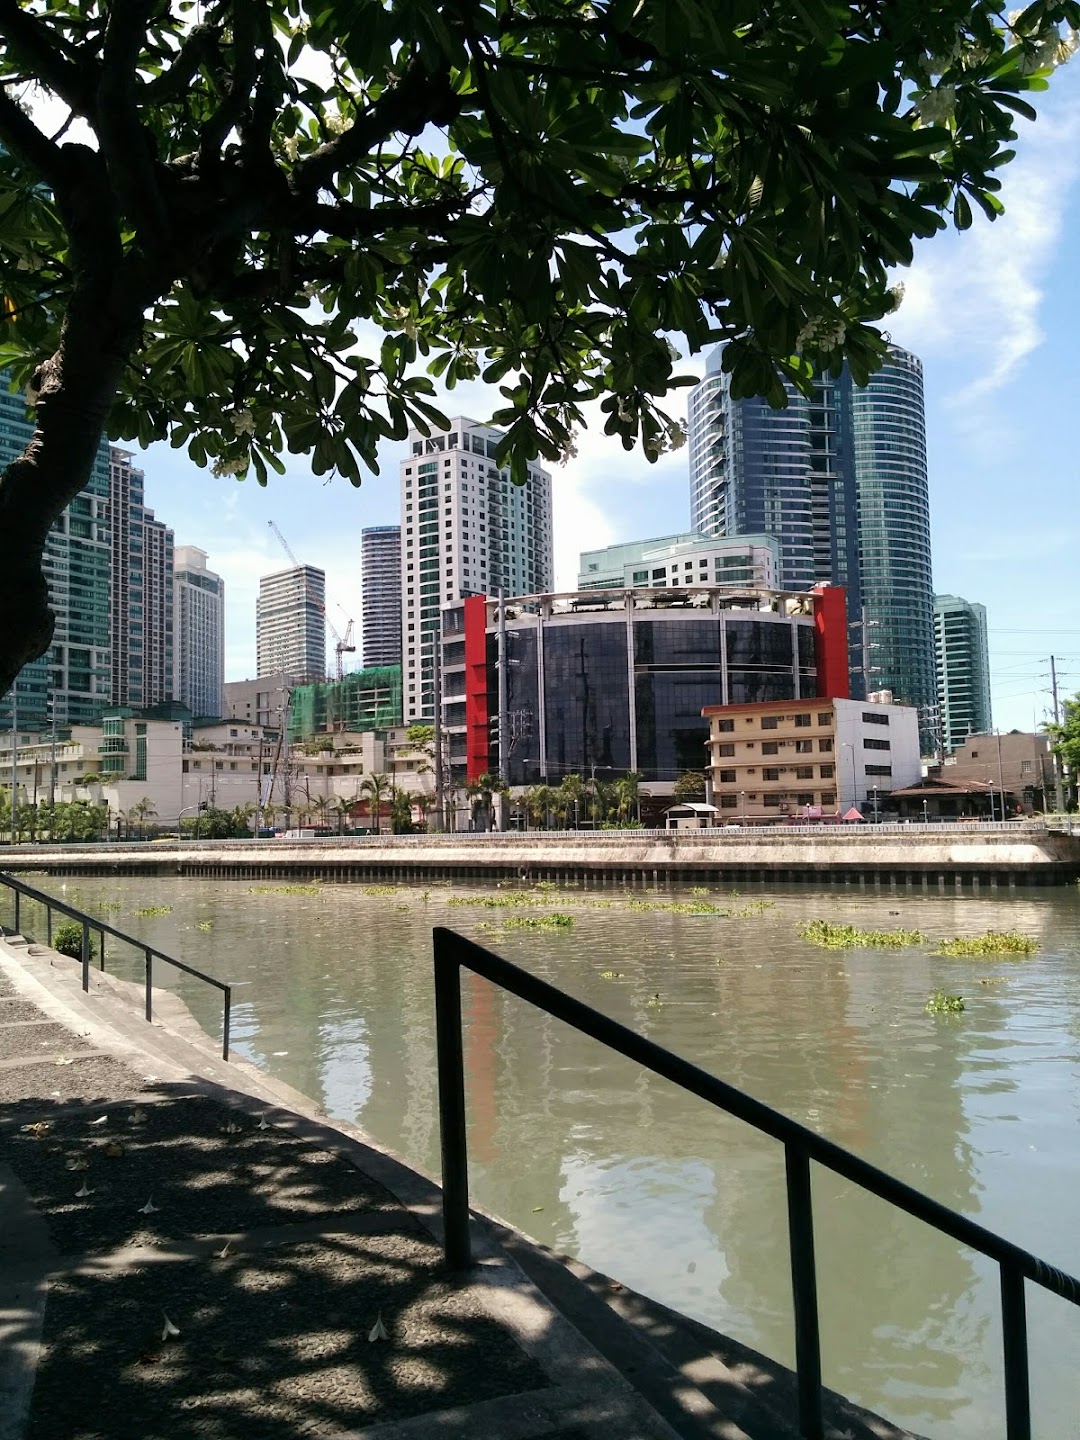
x=610 y=681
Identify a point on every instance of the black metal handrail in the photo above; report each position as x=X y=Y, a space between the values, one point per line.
x=453 y=951
x=91 y=923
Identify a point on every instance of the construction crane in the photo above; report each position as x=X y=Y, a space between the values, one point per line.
x=342 y=645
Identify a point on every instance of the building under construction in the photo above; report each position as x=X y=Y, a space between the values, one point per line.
x=365 y=700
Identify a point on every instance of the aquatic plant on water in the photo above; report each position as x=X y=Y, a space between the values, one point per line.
x=941 y=1004
x=380 y=890
x=538 y=922
x=284 y=889
x=994 y=942
x=155 y=910
x=846 y=937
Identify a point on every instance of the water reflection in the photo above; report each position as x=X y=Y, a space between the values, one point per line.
x=598 y=1158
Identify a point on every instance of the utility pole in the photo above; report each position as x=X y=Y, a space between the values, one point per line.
x=14 y=752
x=1059 y=789
x=504 y=755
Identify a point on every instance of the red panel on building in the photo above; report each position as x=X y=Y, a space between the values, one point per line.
x=831 y=642
x=476 y=692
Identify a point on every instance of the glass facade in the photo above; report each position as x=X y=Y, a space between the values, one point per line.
x=70 y=684
x=963 y=670
x=894 y=533
x=624 y=691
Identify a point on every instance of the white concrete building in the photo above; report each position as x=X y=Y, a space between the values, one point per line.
x=290 y=623
x=749 y=561
x=466 y=530
x=199 y=640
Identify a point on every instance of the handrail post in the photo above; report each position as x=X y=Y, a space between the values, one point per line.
x=149 y=967
x=226 y=1023
x=85 y=955
x=1014 y=1344
x=457 y=1246
x=804 y=1291
x=48 y=925
x=18 y=920
x=101 y=957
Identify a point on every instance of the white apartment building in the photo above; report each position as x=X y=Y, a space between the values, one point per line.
x=290 y=624
x=466 y=530
x=199 y=639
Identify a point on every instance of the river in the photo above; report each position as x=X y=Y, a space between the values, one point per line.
x=591 y=1155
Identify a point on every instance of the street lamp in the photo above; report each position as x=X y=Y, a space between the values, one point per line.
x=854 y=784
x=925 y=818
x=742 y=807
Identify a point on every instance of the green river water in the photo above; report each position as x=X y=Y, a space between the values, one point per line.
x=591 y=1155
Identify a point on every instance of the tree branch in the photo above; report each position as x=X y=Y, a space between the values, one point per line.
x=201 y=45
x=418 y=99
x=233 y=107
x=55 y=64
x=123 y=140
x=21 y=135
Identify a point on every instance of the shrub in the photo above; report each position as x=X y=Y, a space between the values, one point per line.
x=67 y=939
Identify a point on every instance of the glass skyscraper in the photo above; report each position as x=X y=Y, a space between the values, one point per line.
x=70 y=684
x=840 y=480
x=963 y=669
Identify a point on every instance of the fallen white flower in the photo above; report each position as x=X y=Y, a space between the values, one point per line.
x=168 y=1328
x=82 y=1194
x=262 y=1125
x=378 y=1331
x=223 y=1253
x=100 y=1120
x=149 y=1208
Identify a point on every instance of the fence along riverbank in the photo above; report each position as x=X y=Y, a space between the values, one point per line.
x=940 y=857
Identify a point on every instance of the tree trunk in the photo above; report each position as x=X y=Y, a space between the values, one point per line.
x=76 y=388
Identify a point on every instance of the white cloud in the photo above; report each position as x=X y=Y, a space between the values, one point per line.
x=974 y=299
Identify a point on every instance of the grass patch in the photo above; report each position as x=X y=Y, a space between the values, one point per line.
x=155 y=910
x=285 y=890
x=847 y=937
x=941 y=1004
x=994 y=942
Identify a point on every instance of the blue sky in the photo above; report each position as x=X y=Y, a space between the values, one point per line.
x=994 y=315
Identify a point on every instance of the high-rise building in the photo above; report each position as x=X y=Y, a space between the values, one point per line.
x=199 y=638
x=840 y=480
x=785 y=473
x=380 y=580
x=290 y=624
x=894 y=533
x=468 y=530
x=70 y=685
x=141 y=598
x=963 y=669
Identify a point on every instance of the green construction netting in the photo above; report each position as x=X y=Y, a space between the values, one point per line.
x=365 y=700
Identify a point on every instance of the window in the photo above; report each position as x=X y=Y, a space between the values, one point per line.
x=727 y=777
x=771 y=802
x=872 y=718
x=826 y=772
x=770 y=772
x=802 y=721
x=725 y=726
x=728 y=802
x=876 y=745
x=803 y=747
x=879 y=770
x=804 y=772
x=825 y=746
x=824 y=717
x=1026 y=767
x=805 y=799
x=725 y=750
x=974 y=753
x=828 y=797
x=769 y=722
x=770 y=747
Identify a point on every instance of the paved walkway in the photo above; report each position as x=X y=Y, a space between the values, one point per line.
x=188 y=1249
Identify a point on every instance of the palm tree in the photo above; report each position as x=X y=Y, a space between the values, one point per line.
x=321 y=807
x=571 y=793
x=480 y=792
x=629 y=795
x=375 y=787
x=538 y=804
x=342 y=808
x=140 y=812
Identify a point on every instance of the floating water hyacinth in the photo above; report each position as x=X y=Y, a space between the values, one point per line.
x=378 y=1331
x=168 y=1329
x=149 y=1208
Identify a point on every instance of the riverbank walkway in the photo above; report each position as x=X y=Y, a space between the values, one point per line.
x=191 y=1251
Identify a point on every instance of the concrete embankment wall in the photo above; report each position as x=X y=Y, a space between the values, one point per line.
x=941 y=858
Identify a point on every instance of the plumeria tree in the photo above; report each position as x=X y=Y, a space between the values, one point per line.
x=258 y=226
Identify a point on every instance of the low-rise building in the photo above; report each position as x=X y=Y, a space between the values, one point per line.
x=673 y=560
x=776 y=759
x=1018 y=763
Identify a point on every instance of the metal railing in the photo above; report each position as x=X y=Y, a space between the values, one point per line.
x=90 y=924
x=801 y=1146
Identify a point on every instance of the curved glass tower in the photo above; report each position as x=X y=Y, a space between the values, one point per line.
x=894 y=531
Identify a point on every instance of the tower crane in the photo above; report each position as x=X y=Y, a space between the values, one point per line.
x=342 y=644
